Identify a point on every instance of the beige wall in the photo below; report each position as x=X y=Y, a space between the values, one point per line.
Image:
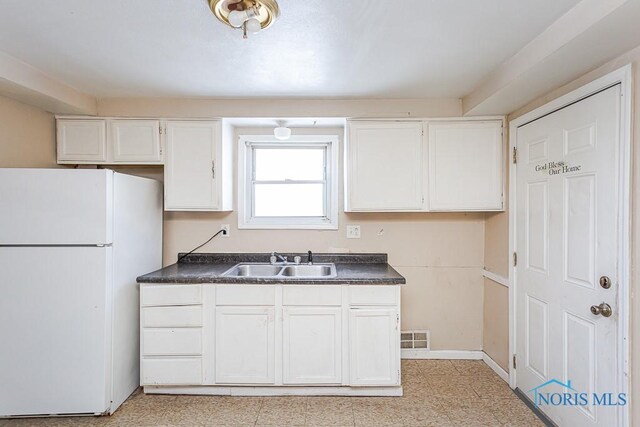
x=631 y=57
x=441 y=255
x=495 y=337
x=27 y=136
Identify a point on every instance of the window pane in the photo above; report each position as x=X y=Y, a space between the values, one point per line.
x=289 y=200
x=279 y=164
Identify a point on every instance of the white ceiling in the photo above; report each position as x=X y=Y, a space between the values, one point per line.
x=318 y=48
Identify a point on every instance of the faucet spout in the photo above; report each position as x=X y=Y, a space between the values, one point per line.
x=275 y=256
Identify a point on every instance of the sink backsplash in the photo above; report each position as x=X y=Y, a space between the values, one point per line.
x=229 y=258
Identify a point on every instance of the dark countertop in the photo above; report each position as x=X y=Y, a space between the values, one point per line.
x=354 y=269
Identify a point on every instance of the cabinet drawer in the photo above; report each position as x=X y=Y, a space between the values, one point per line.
x=171 y=295
x=373 y=295
x=315 y=295
x=245 y=295
x=171 y=342
x=187 y=371
x=176 y=317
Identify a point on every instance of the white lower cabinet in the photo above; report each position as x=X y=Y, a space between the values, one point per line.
x=375 y=348
x=211 y=337
x=312 y=345
x=171 y=371
x=245 y=345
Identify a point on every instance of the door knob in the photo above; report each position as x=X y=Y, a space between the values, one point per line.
x=604 y=309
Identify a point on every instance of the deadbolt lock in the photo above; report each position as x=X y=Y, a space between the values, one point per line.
x=603 y=309
x=605 y=282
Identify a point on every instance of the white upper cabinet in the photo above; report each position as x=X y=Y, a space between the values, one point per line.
x=81 y=141
x=465 y=166
x=384 y=166
x=135 y=141
x=195 y=176
x=108 y=141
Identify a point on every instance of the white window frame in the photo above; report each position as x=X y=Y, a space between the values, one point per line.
x=246 y=220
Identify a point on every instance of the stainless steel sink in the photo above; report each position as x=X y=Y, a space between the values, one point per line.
x=254 y=270
x=284 y=271
x=316 y=270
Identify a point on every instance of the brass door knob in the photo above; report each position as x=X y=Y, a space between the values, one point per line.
x=603 y=309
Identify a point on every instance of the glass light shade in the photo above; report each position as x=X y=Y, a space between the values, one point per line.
x=282 y=133
x=253 y=25
x=237 y=18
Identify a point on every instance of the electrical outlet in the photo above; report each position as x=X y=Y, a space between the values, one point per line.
x=353 y=231
x=225 y=227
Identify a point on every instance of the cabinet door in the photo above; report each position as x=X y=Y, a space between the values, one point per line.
x=81 y=141
x=135 y=141
x=384 y=166
x=465 y=166
x=190 y=178
x=245 y=345
x=312 y=345
x=375 y=346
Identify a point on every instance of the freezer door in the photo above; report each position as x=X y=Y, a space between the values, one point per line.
x=55 y=330
x=56 y=206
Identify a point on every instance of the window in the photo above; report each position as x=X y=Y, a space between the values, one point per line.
x=288 y=184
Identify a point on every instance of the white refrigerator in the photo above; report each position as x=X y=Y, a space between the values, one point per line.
x=72 y=243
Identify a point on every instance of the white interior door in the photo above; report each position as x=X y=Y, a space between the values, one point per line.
x=567 y=240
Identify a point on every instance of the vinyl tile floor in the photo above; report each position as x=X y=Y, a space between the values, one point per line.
x=436 y=393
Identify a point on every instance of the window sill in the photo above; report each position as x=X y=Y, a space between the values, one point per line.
x=252 y=226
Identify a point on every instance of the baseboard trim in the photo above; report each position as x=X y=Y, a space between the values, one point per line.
x=409 y=353
x=275 y=390
x=495 y=278
x=496 y=368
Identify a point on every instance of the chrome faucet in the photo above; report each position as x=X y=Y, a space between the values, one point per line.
x=275 y=256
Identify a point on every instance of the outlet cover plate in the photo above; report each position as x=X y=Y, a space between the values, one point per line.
x=353 y=231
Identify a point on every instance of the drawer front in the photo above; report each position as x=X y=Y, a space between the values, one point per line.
x=172 y=317
x=373 y=295
x=171 y=295
x=172 y=342
x=239 y=295
x=187 y=371
x=315 y=295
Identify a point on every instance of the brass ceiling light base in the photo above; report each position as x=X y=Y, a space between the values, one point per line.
x=246 y=14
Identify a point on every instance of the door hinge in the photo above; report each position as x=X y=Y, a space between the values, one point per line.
x=515 y=155
x=514 y=362
x=515 y=259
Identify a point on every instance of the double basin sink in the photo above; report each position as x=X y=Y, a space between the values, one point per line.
x=281 y=270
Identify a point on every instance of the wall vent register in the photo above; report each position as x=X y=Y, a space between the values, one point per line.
x=415 y=339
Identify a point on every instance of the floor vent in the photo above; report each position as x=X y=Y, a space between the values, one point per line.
x=415 y=340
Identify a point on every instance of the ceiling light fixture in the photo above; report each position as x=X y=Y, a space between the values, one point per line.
x=249 y=15
x=282 y=132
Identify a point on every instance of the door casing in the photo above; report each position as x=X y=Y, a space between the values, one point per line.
x=622 y=76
